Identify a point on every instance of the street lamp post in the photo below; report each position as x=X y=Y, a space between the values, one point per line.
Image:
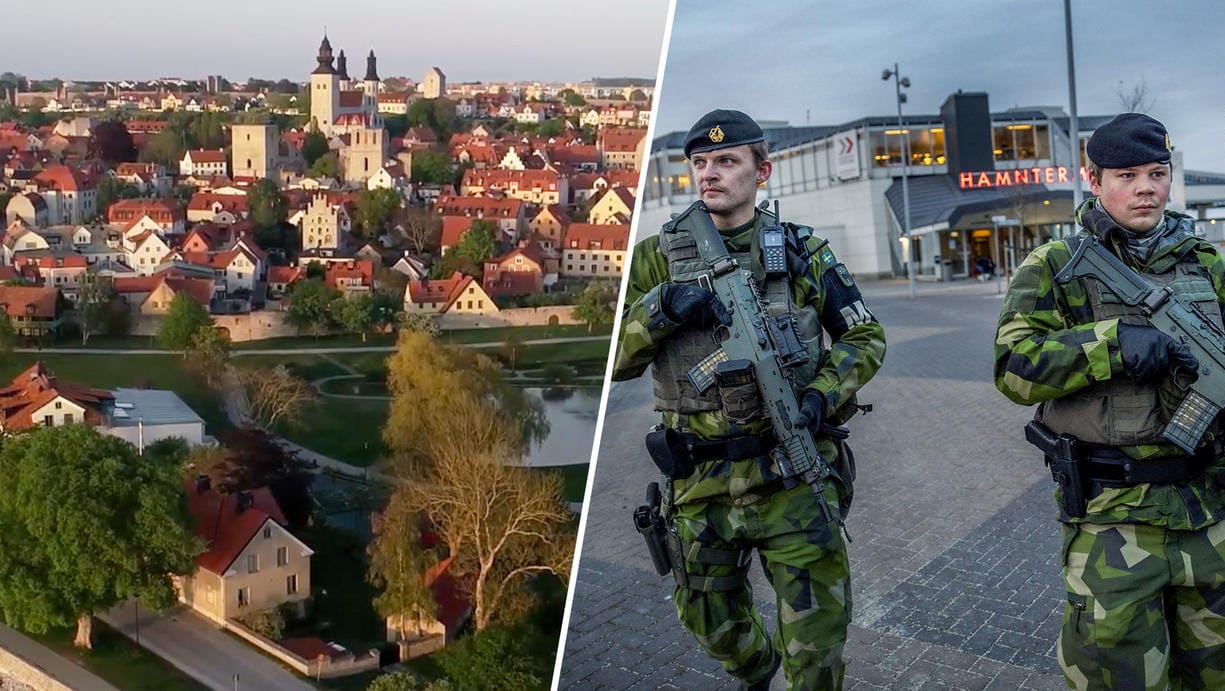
x=899 y=82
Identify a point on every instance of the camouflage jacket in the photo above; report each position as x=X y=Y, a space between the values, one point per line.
x=856 y=352
x=1048 y=345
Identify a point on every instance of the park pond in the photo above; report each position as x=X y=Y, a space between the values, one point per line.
x=572 y=414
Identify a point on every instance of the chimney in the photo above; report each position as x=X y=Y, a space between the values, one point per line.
x=245 y=501
x=203 y=484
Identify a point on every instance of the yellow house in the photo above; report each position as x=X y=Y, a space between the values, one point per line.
x=615 y=206
x=252 y=562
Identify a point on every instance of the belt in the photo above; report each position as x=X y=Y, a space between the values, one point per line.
x=732 y=448
x=1110 y=465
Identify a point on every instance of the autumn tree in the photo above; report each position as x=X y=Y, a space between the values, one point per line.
x=86 y=523
x=448 y=399
x=180 y=323
x=110 y=141
x=250 y=458
x=595 y=303
x=275 y=395
x=502 y=523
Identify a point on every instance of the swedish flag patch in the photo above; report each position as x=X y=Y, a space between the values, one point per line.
x=827 y=256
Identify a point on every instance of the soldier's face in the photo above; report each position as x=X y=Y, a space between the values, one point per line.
x=727 y=183
x=1134 y=197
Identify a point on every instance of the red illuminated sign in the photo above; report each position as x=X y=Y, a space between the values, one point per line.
x=1049 y=175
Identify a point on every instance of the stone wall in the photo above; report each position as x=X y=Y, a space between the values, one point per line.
x=242 y=327
x=518 y=316
x=352 y=663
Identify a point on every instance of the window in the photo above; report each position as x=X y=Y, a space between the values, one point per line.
x=291 y=585
x=67 y=418
x=48 y=420
x=267 y=532
x=59 y=404
x=252 y=563
x=282 y=556
x=244 y=597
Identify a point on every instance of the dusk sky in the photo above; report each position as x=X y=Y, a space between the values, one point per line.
x=823 y=60
x=476 y=40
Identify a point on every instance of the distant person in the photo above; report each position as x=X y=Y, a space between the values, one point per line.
x=724 y=493
x=1143 y=538
x=985 y=267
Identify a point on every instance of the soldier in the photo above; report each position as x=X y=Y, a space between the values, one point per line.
x=731 y=499
x=1143 y=542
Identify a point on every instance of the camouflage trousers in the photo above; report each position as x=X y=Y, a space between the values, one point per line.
x=1146 y=607
x=805 y=560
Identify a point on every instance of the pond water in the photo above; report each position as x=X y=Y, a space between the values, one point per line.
x=572 y=417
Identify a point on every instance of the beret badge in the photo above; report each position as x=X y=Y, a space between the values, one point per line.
x=716 y=134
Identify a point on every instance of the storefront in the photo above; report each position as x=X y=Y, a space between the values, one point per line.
x=980 y=185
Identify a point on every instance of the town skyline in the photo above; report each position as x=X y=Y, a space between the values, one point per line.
x=252 y=51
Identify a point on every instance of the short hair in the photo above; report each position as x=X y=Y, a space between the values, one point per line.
x=761 y=152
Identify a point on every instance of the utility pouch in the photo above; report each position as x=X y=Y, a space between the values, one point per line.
x=650 y=524
x=1064 y=462
x=737 y=382
x=844 y=466
x=669 y=452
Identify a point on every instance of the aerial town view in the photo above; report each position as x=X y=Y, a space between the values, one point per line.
x=299 y=375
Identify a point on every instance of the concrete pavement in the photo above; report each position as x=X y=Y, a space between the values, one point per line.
x=954 y=562
x=38 y=655
x=202 y=651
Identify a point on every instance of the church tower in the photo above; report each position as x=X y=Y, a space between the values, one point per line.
x=325 y=90
x=370 y=84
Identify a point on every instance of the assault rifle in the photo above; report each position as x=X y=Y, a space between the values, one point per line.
x=772 y=347
x=1173 y=315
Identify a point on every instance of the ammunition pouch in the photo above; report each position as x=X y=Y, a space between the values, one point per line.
x=1081 y=470
x=844 y=467
x=681 y=552
x=677 y=454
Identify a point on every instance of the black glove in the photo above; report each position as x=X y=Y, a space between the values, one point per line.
x=812 y=411
x=693 y=306
x=1149 y=354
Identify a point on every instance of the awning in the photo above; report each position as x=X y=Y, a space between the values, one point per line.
x=937 y=203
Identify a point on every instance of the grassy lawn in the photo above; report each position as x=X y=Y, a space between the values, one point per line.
x=492 y=335
x=110 y=371
x=308 y=367
x=573 y=479
x=563 y=352
x=344 y=428
x=357 y=682
x=120 y=661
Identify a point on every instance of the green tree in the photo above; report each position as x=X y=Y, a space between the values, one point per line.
x=310 y=306
x=209 y=353
x=407 y=681
x=398 y=563
x=552 y=128
x=8 y=338
x=595 y=303
x=375 y=209
x=326 y=166
x=354 y=313
x=268 y=206
x=180 y=323
x=432 y=167
x=183 y=193
x=314 y=146
x=500 y=657
x=86 y=523
x=111 y=190
x=479 y=242
x=571 y=98
x=166 y=147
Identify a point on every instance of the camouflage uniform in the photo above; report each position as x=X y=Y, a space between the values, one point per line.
x=741 y=504
x=1145 y=568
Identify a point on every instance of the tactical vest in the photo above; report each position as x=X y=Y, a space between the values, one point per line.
x=683 y=350
x=1118 y=412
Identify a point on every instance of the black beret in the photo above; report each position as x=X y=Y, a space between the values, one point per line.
x=722 y=129
x=1131 y=139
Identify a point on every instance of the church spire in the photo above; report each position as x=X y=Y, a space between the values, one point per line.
x=372 y=74
x=342 y=67
x=325 y=57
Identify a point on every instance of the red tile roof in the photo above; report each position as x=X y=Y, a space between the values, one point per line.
x=234 y=203
x=621 y=139
x=351 y=99
x=441 y=290
x=206 y=155
x=224 y=528
x=36 y=387
x=64 y=178
x=163 y=211
x=596 y=236
x=453 y=229
x=362 y=269
x=23 y=301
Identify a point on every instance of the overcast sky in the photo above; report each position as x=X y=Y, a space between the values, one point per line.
x=822 y=60
x=474 y=40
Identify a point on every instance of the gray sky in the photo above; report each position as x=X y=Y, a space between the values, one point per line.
x=474 y=40
x=782 y=60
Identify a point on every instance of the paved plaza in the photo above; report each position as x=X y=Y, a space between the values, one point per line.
x=954 y=559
